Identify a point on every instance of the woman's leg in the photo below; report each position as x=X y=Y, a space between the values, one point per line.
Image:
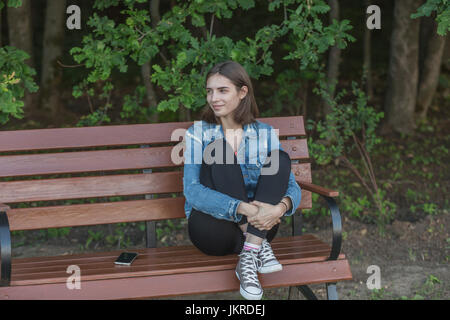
x=217 y=236
x=271 y=189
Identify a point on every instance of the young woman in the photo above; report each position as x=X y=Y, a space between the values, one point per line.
x=237 y=179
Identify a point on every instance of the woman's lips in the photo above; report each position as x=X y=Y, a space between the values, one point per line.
x=217 y=106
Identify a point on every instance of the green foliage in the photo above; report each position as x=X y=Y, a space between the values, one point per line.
x=101 y=114
x=94 y=236
x=15 y=77
x=442 y=9
x=10 y=3
x=290 y=86
x=310 y=36
x=180 y=59
x=347 y=124
x=55 y=233
x=348 y=127
x=132 y=106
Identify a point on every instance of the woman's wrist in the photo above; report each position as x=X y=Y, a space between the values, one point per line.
x=244 y=208
x=285 y=205
x=281 y=208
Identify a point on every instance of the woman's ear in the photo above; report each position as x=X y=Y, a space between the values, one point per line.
x=243 y=92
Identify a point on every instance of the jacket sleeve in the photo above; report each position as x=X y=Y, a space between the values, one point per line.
x=293 y=191
x=202 y=198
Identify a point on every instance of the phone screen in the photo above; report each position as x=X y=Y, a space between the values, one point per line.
x=126 y=258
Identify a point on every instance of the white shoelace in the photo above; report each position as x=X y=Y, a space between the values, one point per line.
x=249 y=265
x=266 y=253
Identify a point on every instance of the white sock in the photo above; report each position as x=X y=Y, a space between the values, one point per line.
x=251 y=246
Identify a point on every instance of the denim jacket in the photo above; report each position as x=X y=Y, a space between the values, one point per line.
x=258 y=138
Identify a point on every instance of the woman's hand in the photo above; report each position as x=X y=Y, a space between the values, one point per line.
x=247 y=209
x=268 y=215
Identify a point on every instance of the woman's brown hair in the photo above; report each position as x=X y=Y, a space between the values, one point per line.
x=247 y=111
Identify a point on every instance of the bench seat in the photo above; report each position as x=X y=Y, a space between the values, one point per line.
x=167 y=271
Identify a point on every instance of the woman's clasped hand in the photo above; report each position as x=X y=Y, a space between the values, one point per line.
x=266 y=215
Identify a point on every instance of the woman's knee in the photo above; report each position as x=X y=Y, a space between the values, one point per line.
x=283 y=156
x=278 y=163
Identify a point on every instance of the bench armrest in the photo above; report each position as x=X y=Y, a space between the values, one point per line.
x=335 y=215
x=5 y=247
x=318 y=189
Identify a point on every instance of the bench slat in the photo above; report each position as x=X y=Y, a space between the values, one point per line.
x=89 y=187
x=117 y=135
x=106 y=160
x=105 y=186
x=97 y=213
x=105 y=213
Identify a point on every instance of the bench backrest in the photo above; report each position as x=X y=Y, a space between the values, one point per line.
x=47 y=167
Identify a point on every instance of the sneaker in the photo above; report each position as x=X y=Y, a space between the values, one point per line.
x=268 y=261
x=246 y=272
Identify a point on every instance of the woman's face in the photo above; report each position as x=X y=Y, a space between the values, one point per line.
x=222 y=95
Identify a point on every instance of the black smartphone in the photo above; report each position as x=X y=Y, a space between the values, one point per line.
x=126 y=258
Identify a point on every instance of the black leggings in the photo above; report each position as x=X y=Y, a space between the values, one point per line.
x=220 y=237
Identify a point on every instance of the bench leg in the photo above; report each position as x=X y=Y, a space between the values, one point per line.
x=5 y=250
x=150 y=234
x=307 y=292
x=331 y=291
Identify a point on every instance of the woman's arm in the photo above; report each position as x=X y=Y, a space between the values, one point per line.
x=293 y=194
x=247 y=209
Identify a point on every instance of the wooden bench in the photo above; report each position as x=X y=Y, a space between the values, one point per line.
x=126 y=161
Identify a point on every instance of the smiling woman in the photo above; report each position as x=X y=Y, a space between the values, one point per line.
x=235 y=207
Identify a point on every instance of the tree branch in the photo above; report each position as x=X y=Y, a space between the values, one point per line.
x=211 y=25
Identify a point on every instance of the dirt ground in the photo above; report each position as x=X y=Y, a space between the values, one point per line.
x=413 y=257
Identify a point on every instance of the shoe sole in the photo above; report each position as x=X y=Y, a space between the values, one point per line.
x=248 y=295
x=270 y=269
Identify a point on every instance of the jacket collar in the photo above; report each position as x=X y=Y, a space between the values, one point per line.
x=249 y=130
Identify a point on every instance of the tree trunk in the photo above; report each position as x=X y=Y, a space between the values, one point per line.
x=152 y=100
x=334 y=57
x=403 y=69
x=51 y=75
x=433 y=49
x=20 y=36
x=367 y=65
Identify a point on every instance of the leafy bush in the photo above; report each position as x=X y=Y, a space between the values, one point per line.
x=180 y=59
x=348 y=127
x=15 y=77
